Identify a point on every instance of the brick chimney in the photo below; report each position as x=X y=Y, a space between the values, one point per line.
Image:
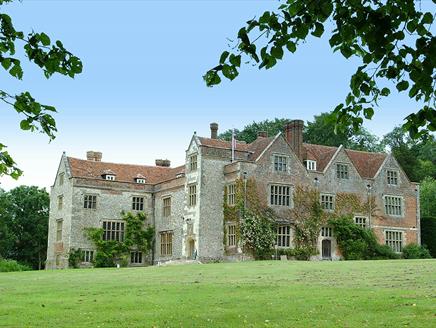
x=163 y=162
x=262 y=134
x=95 y=156
x=214 y=130
x=294 y=136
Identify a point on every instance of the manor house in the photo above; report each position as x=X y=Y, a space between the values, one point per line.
x=185 y=204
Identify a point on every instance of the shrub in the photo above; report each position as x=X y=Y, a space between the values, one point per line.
x=428 y=234
x=414 y=251
x=74 y=258
x=12 y=265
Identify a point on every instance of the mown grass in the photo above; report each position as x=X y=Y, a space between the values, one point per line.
x=399 y=293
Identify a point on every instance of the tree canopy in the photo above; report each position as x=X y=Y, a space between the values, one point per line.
x=392 y=39
x=51 y=57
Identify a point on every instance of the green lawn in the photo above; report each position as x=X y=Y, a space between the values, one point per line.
x=395 y=293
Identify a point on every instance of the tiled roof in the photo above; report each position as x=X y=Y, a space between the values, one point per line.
x=366 y=163
x=321 y=154
x=124 y=172
x=219 y=143
x=258 y=146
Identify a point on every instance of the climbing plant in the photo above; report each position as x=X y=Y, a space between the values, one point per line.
x=137 y=235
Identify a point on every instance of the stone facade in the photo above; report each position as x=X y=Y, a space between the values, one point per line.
x=185 y=204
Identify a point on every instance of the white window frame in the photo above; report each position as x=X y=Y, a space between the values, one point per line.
x=392 y=240
x=138 y=203
x=59 y=230
x=166 y=243
x=61 y=178
x=87 y=255
x=361 y=221
x=231 y=194
x=60 y=202
x=166 y=206
x=310 y=165
x=280 y=163
x=342 y=171
x=109 y=177
x=392 y=206
x=283 y=239
x=193 y=162
x=192 y=195
x=231 y=235
x=136 y=257
x=333 y=202
x=140 y=180
x=113 y=230
x=326 y=232
x=90 y=201
x=280 y=195
x=394 y=177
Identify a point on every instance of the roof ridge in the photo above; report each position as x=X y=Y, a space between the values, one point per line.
x=367 y=152
x=149 y=166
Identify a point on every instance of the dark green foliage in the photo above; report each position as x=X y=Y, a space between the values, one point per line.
x=414 y=251
x=74 y=258
x=137 y=235
x=24 y=225
x=12 y=265
x=52 y=58
x=427 y=197
x=392 y=39
x=428 y=234
x=250 y=131
x=357 y=243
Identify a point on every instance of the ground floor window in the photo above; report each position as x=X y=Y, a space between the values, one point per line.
x=87 y=256
x=394 y=239
x=231 y=235
x=360 y=221
x=113 y=230
x=136 y=257
x=284 y=236
x=166 y=243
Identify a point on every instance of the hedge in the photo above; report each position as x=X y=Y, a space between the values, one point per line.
x=428 y=234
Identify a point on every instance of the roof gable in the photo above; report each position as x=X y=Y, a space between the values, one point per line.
x=366 y=163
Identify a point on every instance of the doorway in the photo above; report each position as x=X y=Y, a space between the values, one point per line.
x=326 y=249
x=191 y=249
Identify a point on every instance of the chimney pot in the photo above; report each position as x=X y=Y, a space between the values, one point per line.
x=163 y=162
x=262 y=134
x=95 y=156
x=214 y=130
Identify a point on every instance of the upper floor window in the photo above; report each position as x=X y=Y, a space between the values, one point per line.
x=109 y=177
x=90 y=201
x=280 y=195
x=392 y=177
x=280 y=163
x=360 y=221
x=136 y=257
x=166 y=243
x=231 y=194
x=61 y=178
x=393 y=205
x=394 y=239
x=166 y=206
x=87 y=256
x=328 y=202
x=60 y=202
x=59 y=224
x=310 y=165
x=192 y=195
x=231 y=235
x=140 y=180
x=342 y=171
x=138 y=203
x=284 y=236
x=113 y=230
x=193 y=163
x=326 y=232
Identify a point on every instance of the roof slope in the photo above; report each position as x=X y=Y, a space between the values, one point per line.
x=124 y=172
x=219 y=143
x=321 y=154
x=366 y=163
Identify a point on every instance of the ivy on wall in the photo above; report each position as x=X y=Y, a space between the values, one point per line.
x=138 y=235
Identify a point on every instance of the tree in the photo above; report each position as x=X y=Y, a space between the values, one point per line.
x=416 y=157
x=52 y=58
x=250 y=131
x=428 y=197
x=392 y=38
x=24 y=224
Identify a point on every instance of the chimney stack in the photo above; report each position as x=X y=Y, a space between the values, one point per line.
x=262 y=134
x=214 y=130
x=163 y=162
x=95 y=156
x=294 y=136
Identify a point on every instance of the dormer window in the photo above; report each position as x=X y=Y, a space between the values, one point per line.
x=108 y=175
x=140 y=180
x=180 y=175
x=310 y=165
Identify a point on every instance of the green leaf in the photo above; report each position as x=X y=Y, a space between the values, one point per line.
x=346 y=51
x=385 y=92
x=6 y=63
x=292 y=47
x=224 y=56
x=230 y=72
x=319 y=30
x=277 y=52
x=25 y=125
x=368 y=112
x=16 y=71
x=235 y=60
x=403 y=85
x=427 y=19
x=45 y=40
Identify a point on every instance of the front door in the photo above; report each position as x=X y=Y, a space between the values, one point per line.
x=327 y=249
x=192 y=249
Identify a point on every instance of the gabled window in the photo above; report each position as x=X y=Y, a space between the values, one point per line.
x=61 y=178
x=393 y=205
x=283 y=236
x=326 y=232
x=310 y=165
x=59 y=224
x=166 y=243
x=140 y=180
x=192 y=195
x=193 y=163
x=394 y=239
x=138 y=203
x=109 y=177
x=166 y=206
x=392 y=177
x=87 y=256
x=280 y=163
x=361 y=221
x=231 y=235
x=136 y=257
x=280 y=195
x=341 y=171
x=90 y=201
x=231 y=194
x=113 y=230
x=328 y=202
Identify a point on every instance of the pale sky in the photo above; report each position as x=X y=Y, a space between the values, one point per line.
x=141 y=94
